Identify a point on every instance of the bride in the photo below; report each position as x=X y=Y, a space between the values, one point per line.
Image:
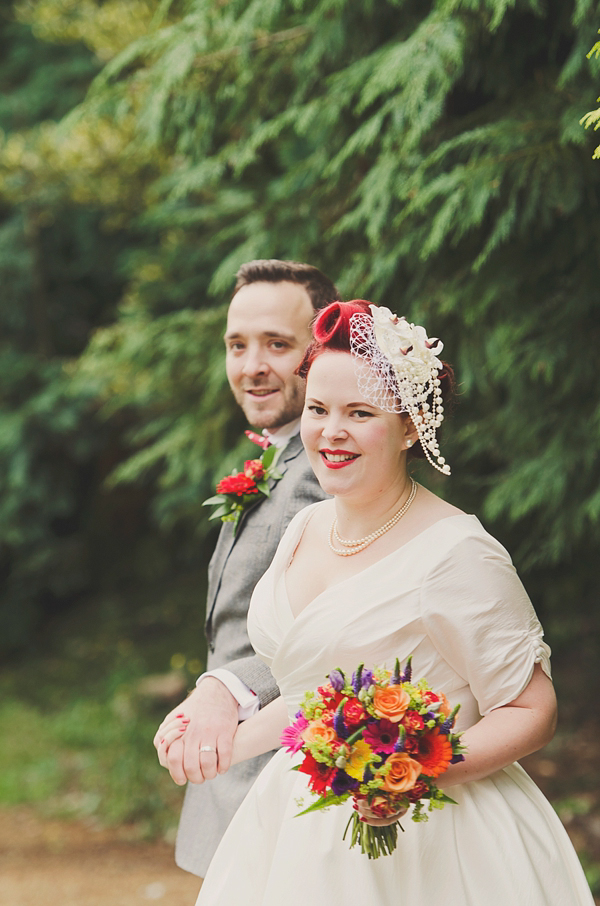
x=386 y=569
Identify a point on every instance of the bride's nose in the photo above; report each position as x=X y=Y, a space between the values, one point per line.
x=334 y=428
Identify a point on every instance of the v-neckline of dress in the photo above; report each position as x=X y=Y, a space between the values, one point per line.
x=359 y=574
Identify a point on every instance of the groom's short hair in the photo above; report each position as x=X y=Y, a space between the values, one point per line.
x=270 y=270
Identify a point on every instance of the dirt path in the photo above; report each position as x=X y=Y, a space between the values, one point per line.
x=54 y=863
x=45 y=862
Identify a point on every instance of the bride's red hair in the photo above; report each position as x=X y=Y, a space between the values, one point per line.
x=331 y=331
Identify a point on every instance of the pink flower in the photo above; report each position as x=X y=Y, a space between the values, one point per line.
x=430 y=697
x=354 y=713
x=413 y=721
x=418 y=791
x=411 y=745
x=330 y=697
x=381 y=735
x=258 y=439
x=254 y=469
x=291 y=737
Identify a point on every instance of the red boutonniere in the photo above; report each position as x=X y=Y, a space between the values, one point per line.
x=240 y=490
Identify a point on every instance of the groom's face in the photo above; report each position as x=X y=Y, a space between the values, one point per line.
x=266 y=337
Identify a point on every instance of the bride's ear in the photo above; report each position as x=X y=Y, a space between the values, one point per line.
x=411 y=436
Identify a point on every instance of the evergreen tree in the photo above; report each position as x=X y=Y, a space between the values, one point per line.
x=426 y=156
x=59 y=281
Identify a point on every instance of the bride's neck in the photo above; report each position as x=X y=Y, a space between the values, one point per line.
x=358 y=517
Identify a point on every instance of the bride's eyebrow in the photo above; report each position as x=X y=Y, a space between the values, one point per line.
x=360 y=405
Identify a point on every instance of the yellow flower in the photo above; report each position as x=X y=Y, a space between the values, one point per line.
x=359 y=758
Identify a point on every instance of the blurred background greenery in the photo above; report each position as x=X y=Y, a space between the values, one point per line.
x=425 y=155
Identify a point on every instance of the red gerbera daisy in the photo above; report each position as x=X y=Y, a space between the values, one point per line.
x=435 y=753
x=320 y=774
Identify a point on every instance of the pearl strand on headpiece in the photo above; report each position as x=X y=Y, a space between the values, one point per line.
x=355 y=547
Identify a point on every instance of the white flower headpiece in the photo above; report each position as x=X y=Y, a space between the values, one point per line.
x=397 y=369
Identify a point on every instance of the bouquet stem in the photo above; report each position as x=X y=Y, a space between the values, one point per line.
x=373 y=841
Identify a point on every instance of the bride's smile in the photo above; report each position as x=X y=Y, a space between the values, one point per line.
x=337 y=459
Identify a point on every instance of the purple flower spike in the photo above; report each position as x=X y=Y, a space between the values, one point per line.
x=366 y=679
x=450 y=721
x=338 y=723
x=343 y=783
x=399 y=747
x=456 y=758
x=337 y=679
x=356 y=679
x=407 y=671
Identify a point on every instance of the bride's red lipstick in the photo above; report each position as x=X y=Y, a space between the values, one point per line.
x=339 y=464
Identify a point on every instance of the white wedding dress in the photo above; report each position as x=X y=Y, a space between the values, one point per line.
x=452 y=599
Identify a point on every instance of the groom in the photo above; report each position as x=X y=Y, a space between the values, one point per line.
x=266 y=336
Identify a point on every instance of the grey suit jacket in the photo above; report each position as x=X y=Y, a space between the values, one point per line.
x=236 y=566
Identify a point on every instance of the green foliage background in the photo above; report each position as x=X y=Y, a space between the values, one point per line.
x=426 y=155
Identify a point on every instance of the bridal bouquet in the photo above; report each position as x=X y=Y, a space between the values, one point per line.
x=380 y=738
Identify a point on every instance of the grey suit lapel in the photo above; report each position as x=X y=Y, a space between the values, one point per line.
x=227 y=539
x=291 y=451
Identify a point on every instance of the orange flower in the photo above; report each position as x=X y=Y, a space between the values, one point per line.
x=318 y=731
x=403 y=774
x=445 y=707
x=435 y=753
x=391 y=703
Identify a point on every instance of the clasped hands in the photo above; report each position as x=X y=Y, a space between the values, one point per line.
x=195 y=740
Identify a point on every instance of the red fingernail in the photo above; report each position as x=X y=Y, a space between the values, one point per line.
x=179 y=715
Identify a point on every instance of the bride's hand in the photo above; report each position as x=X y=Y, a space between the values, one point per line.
x=169 y=731
x=370 y=818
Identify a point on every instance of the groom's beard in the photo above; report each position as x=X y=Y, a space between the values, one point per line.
x=282 y=405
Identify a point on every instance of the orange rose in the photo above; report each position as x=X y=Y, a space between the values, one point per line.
x=318 y=731
x=403 y=774
x=391 y=703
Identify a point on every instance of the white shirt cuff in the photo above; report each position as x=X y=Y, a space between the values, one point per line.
x=248 y=701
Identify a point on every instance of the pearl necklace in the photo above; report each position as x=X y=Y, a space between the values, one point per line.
x=355 y=547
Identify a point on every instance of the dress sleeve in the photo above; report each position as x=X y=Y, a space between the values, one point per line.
x=479 y=617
